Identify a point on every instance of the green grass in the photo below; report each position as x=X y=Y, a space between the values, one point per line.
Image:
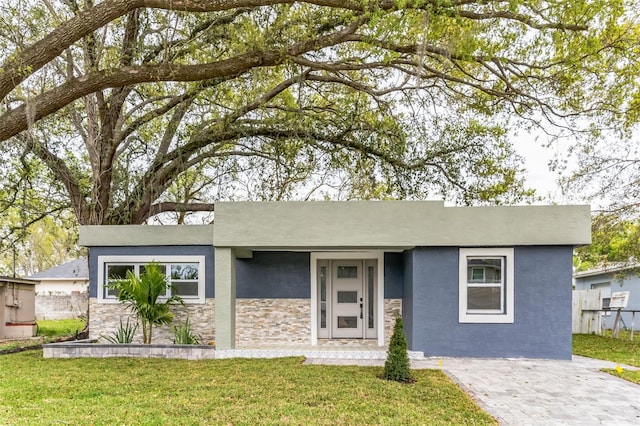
x=620 y=350
x=237 y=391
x=59 y=328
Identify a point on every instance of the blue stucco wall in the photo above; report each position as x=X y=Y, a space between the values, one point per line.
x=274 y=275
x=630 y=283
x=393 y=275
x=206 y=251
x=542 y=306
x=280 y=275
x=265 y=275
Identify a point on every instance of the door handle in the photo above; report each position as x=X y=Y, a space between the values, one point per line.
x=360 y=310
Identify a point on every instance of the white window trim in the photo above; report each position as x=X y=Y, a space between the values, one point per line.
x=338 y=255
x=200 y=260
x=481 y=317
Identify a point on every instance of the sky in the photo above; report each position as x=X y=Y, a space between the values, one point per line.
x=536 y=161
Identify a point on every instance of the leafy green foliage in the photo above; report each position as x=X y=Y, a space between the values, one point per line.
x=397 y=366
x=341 y=100
x=35 y=231
x=37 y=391
x=123 y=334
x=614 y=239
x=142 y=295
x=183 y=335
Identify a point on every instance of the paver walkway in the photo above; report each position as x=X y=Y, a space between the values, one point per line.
x=541 y=392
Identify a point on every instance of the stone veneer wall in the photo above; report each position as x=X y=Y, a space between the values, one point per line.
x=392 y=308
x=273 y=322
x=104 y=319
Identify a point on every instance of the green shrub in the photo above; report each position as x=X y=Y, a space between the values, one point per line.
x=182 y=335
x=123 y=334
x=397 y=366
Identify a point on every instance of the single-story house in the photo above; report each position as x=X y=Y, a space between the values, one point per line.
x=610 y=279
x=468 y=281
x=17 y=308
x=62 y=290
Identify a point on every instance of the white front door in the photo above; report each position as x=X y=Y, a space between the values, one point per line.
x=347 y=294
x=347 y=299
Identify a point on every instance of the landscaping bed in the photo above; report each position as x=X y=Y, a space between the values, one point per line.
x=89 y=348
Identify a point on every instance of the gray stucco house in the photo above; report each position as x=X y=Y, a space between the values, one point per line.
x=469 y=281
x=610 y=279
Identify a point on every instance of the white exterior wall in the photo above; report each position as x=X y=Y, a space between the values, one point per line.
x=66 y=286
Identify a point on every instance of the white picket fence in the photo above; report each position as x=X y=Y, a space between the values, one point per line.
x=586 y=318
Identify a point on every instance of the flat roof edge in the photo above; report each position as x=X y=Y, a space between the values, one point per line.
x=145 y=235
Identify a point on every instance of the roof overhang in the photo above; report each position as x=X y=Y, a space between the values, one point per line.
x=331 y=225
x=13 y=280
x=145 y=235
x=396 y=224
x=606 y=271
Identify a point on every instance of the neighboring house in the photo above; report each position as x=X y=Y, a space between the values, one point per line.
x=469 y=281
x=62 y=291
x=610 y=279
x=17 y=308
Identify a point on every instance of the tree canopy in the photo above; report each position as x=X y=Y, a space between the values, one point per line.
x=132 y=108
x=615 y=242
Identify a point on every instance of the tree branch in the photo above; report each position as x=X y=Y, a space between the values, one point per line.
x=61 y=171
x=15 y=121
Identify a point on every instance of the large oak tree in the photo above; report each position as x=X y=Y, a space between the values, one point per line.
x=138 y=107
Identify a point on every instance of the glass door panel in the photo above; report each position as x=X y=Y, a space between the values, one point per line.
x=348 y=303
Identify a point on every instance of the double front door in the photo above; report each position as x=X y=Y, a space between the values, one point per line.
x=347 y=298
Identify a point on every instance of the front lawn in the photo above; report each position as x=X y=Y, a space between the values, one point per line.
x=237 y=391
x=620 y=350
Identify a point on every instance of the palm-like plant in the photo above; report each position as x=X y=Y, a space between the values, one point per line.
x=142 y=295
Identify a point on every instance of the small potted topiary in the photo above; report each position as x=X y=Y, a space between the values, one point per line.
x=397 y=366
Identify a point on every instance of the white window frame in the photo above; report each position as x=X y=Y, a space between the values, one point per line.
x=506 y=314
x=143 y=260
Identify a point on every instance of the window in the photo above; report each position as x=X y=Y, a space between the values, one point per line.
x=347 y=272
x=184 y=273
x=486 y=285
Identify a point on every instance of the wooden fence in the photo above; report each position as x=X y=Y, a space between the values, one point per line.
x=586 y=312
